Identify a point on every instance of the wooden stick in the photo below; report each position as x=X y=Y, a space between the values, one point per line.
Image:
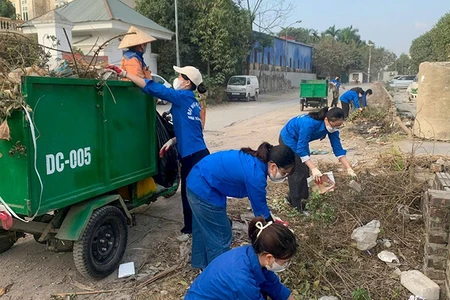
x=62 y=295
x=159 y=276
x=73 y=55
x=153 y=279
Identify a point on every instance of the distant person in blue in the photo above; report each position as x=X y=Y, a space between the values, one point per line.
x=337 y=83
x=186 y=121
x=365 y=94
x=350 y=98
x=234 y=173
x=247 y=272
x=297 y=134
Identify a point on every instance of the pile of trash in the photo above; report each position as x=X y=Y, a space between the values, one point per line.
x=358 y=243
x=22 y=56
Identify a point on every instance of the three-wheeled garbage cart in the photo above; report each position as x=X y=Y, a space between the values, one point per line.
x=313 y=93
x=76 y=164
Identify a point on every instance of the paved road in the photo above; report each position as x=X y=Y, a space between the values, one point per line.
x=220 y=116
x=404 y=106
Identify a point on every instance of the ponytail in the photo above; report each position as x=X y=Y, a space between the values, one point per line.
x=332 y=114
x=275 y=239
x=201 y=88
x=281 y=155
x=319 y=115
x=262 y=153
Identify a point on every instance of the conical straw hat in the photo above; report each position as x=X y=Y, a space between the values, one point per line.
x=138 y=38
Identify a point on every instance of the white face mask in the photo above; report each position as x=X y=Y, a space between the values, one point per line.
x=331 y=129
x=276 y=267
x=277 y=178
x=177 y=84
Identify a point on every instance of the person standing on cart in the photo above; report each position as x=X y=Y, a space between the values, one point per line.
x=133 y=59
x=337 y=82
x=297 y=134
x=186 y=121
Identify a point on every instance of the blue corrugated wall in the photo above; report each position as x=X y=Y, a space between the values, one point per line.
x=299 y=56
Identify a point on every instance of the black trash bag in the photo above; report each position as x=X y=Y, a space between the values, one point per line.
x=168 y=165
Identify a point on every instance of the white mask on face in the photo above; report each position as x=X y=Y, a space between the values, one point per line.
x=331 y=129
x=277 y=178
x=177 y=84
x=276 y=267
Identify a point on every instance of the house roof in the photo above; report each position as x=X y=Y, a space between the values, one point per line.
x=102 y=10
x=79 y=11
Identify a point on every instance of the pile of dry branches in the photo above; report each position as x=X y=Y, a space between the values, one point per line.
x=328 y=262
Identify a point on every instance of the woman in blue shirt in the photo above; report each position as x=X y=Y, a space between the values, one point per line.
x=247 y=272
x=350 y=97
x=186 y=122
x=297 y=134
x=234 y=173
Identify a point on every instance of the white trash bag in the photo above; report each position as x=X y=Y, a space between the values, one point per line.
x=366 y=236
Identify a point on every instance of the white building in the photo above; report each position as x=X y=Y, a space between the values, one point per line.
x=90 y=23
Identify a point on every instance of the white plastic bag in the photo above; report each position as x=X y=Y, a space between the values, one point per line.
x=366 y=236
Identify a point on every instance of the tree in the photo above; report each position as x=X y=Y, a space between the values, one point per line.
x=440 y=36
x=264 y=15
x=217 y=34
x=349 y=35
x=403 y=64
x=163 y=13
x=7 y=9
x=421 y=50
x=333 y=32
x=433 y=45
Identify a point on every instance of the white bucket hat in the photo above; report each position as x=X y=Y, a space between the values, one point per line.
x=138 y=38
x=192 y=73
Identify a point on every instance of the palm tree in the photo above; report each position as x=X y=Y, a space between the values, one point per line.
x=333 y=32
x=314 y=35
x=348 y=35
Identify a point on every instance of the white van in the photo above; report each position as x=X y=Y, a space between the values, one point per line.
x=243 y=87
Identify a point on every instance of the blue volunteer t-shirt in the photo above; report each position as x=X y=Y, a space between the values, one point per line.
x=231 y=173
x=301 y=130
x=237 y=274
x=350 y=96
x=185 y=116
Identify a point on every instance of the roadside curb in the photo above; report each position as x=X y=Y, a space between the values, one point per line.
x=395 y=115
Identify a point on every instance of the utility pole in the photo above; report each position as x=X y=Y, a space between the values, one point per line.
x=370 y=60
x=176 y=34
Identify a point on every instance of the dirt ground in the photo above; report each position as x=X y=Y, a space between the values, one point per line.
x=327 y=259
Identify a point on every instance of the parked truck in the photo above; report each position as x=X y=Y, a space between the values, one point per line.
x=77 y=164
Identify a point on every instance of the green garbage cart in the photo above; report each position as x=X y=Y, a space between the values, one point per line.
x=72 y=174
x=313 y=93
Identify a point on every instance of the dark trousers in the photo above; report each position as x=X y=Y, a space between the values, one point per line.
x=346 y=109
x=298 y=185
x=334 y=103
x=187 y=163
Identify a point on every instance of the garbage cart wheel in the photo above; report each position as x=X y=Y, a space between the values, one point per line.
x=7 y=240
x=99 y=251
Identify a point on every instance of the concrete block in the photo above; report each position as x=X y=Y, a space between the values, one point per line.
x=420 y=285
x=435 y=274
x=439 y=198
x=435 y=249
x=435 y=262
x=437 y=237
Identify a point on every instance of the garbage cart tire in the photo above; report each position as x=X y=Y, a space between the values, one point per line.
x=100 y=249
x=7 y=240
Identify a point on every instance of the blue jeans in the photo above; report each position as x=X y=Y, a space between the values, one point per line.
x=211 y=231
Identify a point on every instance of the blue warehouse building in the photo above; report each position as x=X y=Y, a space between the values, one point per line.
x=298 y=55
